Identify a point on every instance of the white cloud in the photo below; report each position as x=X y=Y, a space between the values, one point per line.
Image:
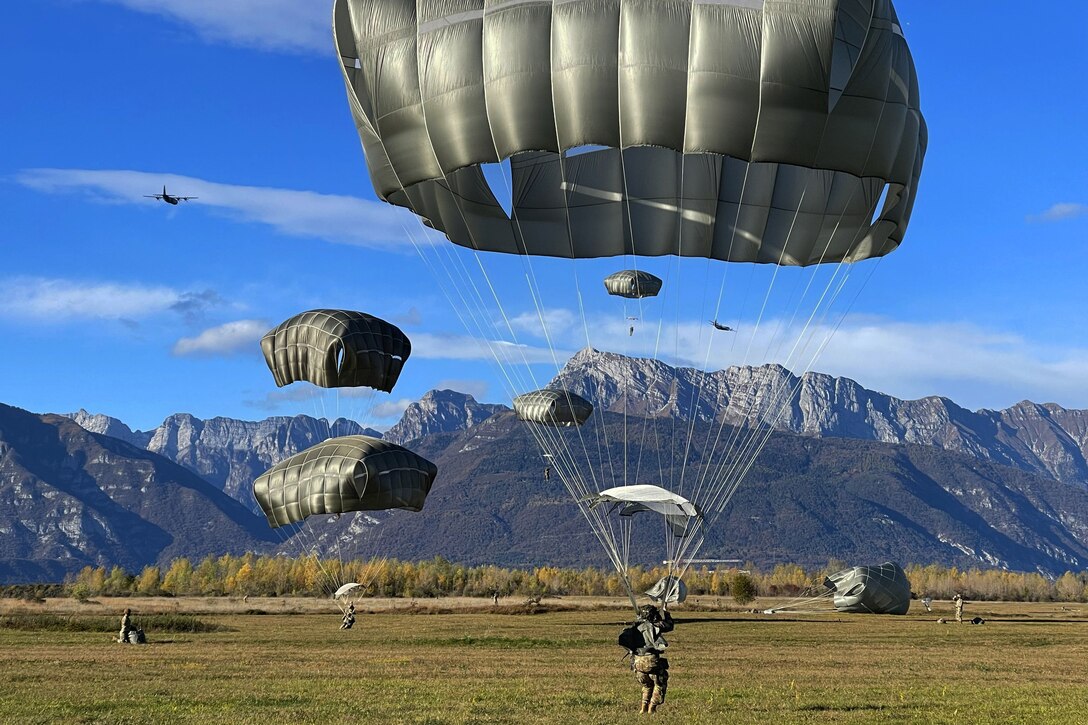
x=462 y=347
x=291 y=25
x=1058 y=212
x=275 y=399
x=335 y=218
x=476 y=388
x=973 y=366
x=556 y=322
x=390 y=409
x=226 y=339
x=60 y=300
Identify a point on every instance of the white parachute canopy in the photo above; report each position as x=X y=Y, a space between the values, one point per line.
x=346 y=589
x=682 y=515
x=643 y=497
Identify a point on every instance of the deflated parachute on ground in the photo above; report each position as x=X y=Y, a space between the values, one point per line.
x=882 y=589
x=778 y=131
x=632 y=284
x=351 y=473
x=553 y=407
x=336 y=348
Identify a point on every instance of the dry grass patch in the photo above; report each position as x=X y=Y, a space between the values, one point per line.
x=1025 y=665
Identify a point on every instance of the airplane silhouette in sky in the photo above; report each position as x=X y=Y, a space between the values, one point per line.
x=169 y=199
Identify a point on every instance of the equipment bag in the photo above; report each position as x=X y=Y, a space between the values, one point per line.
x=630 y=638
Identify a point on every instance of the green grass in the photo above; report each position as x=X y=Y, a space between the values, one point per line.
x=80 y=623
x=560 y=667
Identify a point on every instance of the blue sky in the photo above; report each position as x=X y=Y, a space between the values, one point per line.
x=126 y=306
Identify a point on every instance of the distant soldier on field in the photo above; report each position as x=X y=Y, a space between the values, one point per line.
x=646 y=645
x=349 y=618
x=958 y=601
x=126 y=625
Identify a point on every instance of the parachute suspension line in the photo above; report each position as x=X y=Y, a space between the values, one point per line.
x=475 y=245
x=576 y=474
x=578 y=469
x=697 y=492
x=598 y=522
x=725 y=472
x=753 y=433
x=729 y=489
x=741 y=464
x=600 y=429
x=693 y=402
x=717 y=488
x=571 y=481
x=736 y=475
x=568 y=468
x=472 y=309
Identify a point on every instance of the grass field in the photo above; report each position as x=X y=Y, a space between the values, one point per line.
x=283 y=661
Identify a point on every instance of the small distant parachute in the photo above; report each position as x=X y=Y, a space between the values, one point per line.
x=682 y=515
x=668 y=590
x=632 y=284
x=882 y=589
x=553 y=407
x=336 y=348
x=351 y=473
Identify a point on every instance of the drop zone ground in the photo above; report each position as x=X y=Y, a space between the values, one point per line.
x=463 y=661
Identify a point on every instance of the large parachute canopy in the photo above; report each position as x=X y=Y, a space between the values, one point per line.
x=633 y=284
x=882 y=589
x=553 y=407
x=784 y=133
x=336 y=348
x=752 y=130
x=350 y=473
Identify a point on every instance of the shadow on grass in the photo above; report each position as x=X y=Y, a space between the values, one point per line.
x=504 y=642
x=844 y=708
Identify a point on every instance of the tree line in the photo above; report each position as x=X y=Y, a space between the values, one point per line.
x=267 y=576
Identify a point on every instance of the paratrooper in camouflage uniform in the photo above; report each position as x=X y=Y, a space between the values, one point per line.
x=650 y=667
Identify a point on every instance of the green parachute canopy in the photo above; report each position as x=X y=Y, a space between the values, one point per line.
x=351 y=473
x=741 y=130
x=336 y=348
x=632 y=284
x=553 y=407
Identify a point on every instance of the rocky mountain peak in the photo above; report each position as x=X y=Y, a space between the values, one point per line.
x=440 y=411
x=1042 y=438
x=112 y=427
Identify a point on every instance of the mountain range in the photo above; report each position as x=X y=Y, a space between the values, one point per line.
x=847 y=473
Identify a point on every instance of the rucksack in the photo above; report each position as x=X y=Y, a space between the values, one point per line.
x=630 y=638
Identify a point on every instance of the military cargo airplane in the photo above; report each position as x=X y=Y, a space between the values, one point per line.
x=168 y=198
